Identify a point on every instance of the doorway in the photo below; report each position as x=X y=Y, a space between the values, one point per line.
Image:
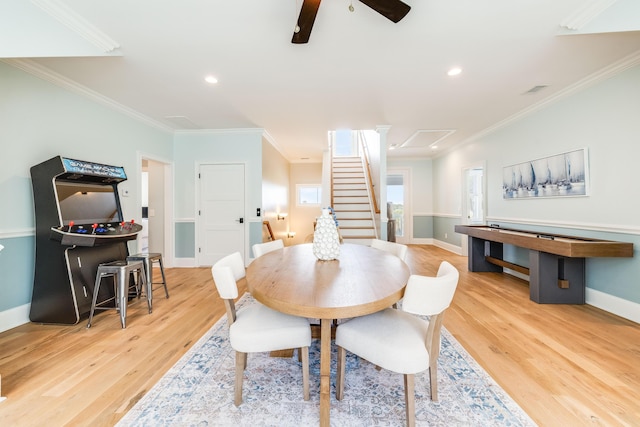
x=473 y=200
x=399 y=205
x=156 y=196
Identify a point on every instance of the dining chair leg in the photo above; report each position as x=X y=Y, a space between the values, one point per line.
x=433 y=380
x=342 y=359
x=410 y=399
x=304 y=351
x=241 y=363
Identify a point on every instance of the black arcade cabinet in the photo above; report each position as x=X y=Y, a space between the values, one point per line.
x=79 y=225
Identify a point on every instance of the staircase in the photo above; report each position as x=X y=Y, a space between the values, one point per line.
x=351 y=202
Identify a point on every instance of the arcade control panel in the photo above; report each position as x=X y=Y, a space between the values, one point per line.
x=95 y=234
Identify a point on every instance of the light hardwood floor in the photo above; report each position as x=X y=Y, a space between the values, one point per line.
x=565 y=365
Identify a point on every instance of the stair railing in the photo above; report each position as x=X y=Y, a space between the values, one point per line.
x=365 y=163
x=373 y=203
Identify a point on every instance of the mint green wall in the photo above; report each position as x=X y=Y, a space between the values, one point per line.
x=422 y=226
x=185 y=238
x=16 y=271
x=443 y=230
x=39 y=120
x=602 y=118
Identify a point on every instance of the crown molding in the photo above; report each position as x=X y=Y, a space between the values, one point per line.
x=257 y=131
x=614 y=69
x=76 y=23
x=45 y=73
x=586 y=14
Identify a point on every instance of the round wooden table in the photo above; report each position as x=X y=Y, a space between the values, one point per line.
x=361 y=281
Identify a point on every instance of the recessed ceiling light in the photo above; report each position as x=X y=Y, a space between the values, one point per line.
x=434 y=147
x=211 y=79
x=454 y=71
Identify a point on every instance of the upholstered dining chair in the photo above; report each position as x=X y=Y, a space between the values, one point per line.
x=399 y=341
x=398 y=249
x=257 y=328
x=260 y=249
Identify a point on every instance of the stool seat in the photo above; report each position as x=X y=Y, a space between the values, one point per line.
x=148 y=259
x=121 y=272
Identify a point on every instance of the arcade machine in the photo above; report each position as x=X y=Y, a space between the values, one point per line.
x=79 y=225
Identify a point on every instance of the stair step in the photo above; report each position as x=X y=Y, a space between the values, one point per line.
x=359 y=240
x=347 y=169
x=347 y=192
x=354 y=207
x=352 y=159
x=360 y=185
x=348 y=223
x=342 y=215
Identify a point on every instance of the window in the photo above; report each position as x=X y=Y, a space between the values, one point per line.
x=309 y=194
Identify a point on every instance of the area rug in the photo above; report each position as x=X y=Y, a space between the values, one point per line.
x=199 y=389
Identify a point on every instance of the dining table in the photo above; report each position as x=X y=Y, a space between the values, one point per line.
x=362 y=280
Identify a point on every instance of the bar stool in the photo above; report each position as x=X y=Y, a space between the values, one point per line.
x=148 y=260
x=121 y=271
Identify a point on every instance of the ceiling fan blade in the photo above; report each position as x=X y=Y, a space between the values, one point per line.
x=305 y=21
x=393 y=10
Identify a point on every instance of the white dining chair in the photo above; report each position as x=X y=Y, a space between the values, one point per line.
x=400 y=341
x=257 y=328
x=260 y=249
x=398 y=249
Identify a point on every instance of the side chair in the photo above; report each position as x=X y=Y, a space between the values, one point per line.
x=398 y=249
x=397 y=339
x=260 y=249
x=257 y=328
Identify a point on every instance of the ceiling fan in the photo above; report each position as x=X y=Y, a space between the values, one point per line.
x=394 y=10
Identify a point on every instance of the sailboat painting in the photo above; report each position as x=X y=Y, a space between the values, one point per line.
x=561 y=175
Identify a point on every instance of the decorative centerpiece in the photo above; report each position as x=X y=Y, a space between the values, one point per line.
x=326 y=240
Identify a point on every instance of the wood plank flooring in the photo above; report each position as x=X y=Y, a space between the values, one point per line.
x=565 y=365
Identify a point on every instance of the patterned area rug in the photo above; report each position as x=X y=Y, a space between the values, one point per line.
x=198 y=391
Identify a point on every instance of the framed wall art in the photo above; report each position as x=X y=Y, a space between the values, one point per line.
x=561 y=175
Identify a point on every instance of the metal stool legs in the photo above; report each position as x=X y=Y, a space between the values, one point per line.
x=148 y=260
x=121 y=272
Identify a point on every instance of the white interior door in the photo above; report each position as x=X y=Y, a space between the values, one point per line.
x=221 y=214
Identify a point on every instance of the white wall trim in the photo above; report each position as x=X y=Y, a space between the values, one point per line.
x=448 y=246
x=446 y=215
x=421 y=241
x=184 y=262
x=614 y=69
x=46 y=74
x=14 y=317
x=620 y=307
x=184 y=220
x=77 y=24
x=607 y=228
x=20 y=232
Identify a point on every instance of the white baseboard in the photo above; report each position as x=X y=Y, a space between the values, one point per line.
x=448 y=246
x=14 y=317
x=421 y=241
x=620 y=307
x=184 y=262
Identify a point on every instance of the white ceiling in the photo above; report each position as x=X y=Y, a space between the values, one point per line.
x=358 y=71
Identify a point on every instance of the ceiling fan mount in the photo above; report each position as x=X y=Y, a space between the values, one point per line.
x=394 y=10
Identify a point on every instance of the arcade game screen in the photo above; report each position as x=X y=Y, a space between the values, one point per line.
x=85 y=203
